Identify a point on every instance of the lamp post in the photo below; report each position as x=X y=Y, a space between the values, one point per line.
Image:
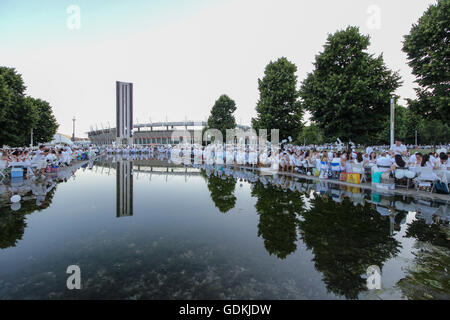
x=392 y=121
x=73 y=134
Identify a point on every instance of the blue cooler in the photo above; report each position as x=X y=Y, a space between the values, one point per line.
x=16 y=172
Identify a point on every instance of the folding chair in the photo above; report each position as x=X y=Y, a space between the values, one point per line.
x=3 y=169
x=426 y=176
x=335 y=169
x=358 y=168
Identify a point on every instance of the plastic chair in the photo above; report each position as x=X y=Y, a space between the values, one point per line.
x=426 y=175
x=3 y=169
x=335 y=169
x=358 y=168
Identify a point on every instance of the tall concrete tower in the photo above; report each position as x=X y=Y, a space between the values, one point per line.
x=124 y=113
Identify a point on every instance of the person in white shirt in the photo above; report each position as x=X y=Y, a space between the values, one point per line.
x=399 y=150
x=385 y=161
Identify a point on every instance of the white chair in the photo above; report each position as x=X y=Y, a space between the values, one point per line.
x=3 y=168
x=426 y=177
x=335 y=169
x=358 y=168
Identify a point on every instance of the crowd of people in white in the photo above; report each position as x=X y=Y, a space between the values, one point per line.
x=36 y=161
x=325 y=161
x=329 y=161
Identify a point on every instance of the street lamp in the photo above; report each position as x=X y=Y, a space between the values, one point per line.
x=392 y=121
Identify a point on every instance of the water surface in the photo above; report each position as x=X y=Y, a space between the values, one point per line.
x=146 y=229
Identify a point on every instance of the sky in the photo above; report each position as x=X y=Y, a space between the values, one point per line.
x=181 y=55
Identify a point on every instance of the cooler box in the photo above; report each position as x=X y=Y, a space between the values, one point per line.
x=376 y=177
x=16 y=172
x=354 y=178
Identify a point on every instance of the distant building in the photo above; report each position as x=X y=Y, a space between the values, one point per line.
x=156 y=133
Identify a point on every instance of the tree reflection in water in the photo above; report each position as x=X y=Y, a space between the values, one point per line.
x=346 y=240
x=428 y=277
x=221 y=188
x=278 y=211
x=13 y=224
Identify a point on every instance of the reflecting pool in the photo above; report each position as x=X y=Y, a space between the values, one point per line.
x=147 y=229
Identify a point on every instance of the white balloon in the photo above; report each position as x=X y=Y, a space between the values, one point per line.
x=15 y=198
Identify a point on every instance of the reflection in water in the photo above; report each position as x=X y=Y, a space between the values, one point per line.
x=278 y=211
x=428 y=277
x=340 y=230
x=346 y=240
x=13 y=218
x=124 y=188
x=221 y=188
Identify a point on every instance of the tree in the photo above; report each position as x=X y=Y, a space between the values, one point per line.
x=402 y=127
x=349 y=92
x=311 y=135
x=428 y=49
x=433 y=132
x=46 y=125
x=222 y=117
x=19 y=114
x=15 y=111
x=278 y=106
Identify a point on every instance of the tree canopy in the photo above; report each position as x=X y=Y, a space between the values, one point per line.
x=428 y=49
x=222 y=117
x=19 y=113
x=349 y=91
x=278 y=106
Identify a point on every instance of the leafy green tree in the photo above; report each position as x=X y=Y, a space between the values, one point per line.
x=222 y=117
x=349 y=92
x=278 y=106
x=15 y=112
x=433 y=132
x=311 y=134
x=402 y=127
x=46 y=125
x=19 y=114
x=428 y=49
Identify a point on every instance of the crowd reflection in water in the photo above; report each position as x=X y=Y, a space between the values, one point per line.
x=36 y=194
x=346 y=228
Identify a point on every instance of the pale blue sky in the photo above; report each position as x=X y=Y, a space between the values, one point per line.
x=182 y=54
x=44 y=21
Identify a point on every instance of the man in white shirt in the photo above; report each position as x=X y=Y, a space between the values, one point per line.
x=399 y=151
x=385 y=161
